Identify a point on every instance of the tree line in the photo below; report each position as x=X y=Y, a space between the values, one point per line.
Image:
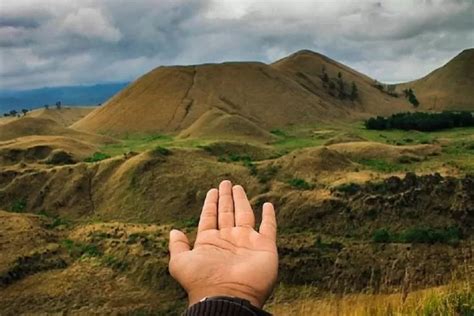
x=15 y=113
x=421 y=121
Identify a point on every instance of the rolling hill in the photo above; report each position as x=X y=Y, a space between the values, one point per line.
x=234 y=98
x=64 y=116
x=449 y=87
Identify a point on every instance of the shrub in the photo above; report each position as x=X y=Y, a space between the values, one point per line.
x=267 y=174
x=57 y=221
x=381 y=236
x=18 y=206
x=81 y=250
x=350 y=188
x=97 y=156
x=300 y=184
x=161 y=151
x=430 y=235
x=278 y=132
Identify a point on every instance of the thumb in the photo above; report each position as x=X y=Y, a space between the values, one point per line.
x=178 y=242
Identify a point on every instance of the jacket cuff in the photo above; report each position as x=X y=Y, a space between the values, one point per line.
x=223 y=305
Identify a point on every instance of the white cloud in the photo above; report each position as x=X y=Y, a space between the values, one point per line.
x=57 y=42
x=90 y=23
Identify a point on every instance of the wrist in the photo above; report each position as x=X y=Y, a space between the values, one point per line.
x=196 y=296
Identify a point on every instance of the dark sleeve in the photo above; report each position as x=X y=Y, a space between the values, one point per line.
x=225 y=306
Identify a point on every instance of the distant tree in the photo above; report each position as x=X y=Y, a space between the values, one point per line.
x=378 y=85
x=58 y=105
x=391 y=88
x=413 y=100
x=13 y=112
x=406 y=92
x=422 y=121
x=410 y=95
x=6 y=114
x=46 y=106
x=325 y=77
x=24 y=111
x=354 y=91
x=341 y=83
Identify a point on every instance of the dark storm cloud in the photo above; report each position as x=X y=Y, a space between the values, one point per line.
x=55 y=42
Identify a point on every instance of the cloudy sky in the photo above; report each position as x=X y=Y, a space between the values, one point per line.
x=64 y=42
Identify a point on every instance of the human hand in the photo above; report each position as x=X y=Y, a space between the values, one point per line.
x=229 y=257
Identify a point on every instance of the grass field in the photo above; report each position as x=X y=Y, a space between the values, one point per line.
x=454 y=299
x=457 y=145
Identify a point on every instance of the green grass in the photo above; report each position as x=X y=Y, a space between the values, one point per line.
x=160 y=150
x=77 y=250
x=350 y=188
x=97 y=156
x=141 y=143
x=300 y=184
x=457 y=151
x=18 y=206
x=380 y=165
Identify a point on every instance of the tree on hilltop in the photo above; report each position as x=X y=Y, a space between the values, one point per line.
x=354 y=91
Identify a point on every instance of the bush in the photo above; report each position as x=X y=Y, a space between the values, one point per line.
x=57 y=221
x=161 y=151
x=278 y=132
x=18 y=206
x=381 y=236
x=81 y=250
x=267 y=174
x=300 y=184
x=97 y=156
x=430 y=235
x=350 y=188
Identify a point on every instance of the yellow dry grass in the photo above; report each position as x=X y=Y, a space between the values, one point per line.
x=64 y=116
x=443 y=300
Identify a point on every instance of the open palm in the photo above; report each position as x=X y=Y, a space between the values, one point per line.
x=229 y=256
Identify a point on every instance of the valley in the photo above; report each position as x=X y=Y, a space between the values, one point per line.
x=370 y=221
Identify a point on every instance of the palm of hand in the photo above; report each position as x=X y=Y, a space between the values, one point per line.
x=233 y=260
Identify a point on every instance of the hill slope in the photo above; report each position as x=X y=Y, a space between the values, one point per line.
x=170 y=99
x=448 y=87
x=30 y=126
x=308 y=68
x=64 y=116
x=250 y=95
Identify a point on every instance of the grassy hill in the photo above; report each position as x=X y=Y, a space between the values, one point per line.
x=232 y=98
x=448 y=87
